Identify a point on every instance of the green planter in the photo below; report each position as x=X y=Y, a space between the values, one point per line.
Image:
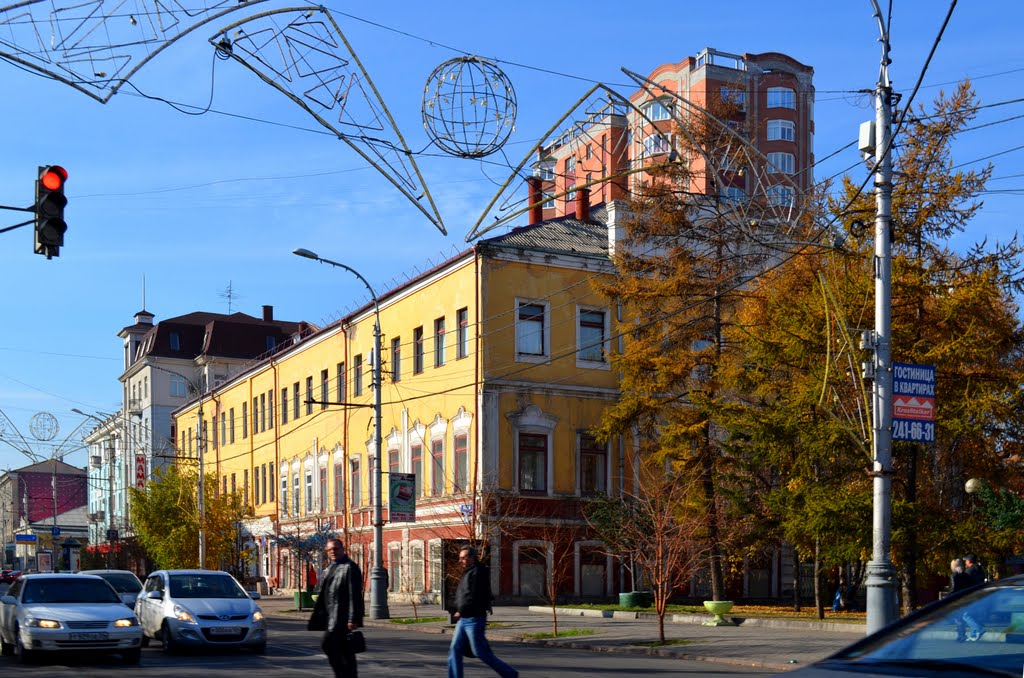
x=304 y=599
x=635 y=599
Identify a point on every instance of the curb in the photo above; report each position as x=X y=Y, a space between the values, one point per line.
x=763 y=622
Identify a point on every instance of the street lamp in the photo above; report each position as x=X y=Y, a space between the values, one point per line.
x=378 y=580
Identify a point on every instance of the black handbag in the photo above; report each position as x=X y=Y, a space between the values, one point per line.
x=356 y=642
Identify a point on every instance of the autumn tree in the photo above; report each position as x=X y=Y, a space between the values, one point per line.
x=166 y=519
x=660 y=528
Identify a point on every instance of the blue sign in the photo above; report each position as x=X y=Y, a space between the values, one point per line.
x=55 y=531
x=25 y=539
x=913 y=402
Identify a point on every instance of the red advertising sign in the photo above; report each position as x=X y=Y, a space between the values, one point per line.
x=140 y=471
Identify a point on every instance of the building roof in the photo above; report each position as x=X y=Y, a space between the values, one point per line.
x=47 y=466
x=200 y=333
x=562 y=235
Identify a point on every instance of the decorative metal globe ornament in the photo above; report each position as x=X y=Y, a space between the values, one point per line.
x=44 y=426
x=469 y=107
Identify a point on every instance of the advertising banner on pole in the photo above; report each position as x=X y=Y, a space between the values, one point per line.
x=402 y=497
x=140 y=471
x=913 y=402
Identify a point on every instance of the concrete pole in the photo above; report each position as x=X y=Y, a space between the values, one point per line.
x=201 y=488
x=881 y=575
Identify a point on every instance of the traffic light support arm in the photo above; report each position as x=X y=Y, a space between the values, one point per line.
x=11 y=228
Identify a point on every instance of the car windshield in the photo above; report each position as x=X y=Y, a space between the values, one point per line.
x=122 y=582
x=68 y=590
x=983 y=629
x=205 y=586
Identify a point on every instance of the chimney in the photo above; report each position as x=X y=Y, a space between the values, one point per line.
x=536 y=197
x=268 y=313
x=616 y=230
x=583 y=204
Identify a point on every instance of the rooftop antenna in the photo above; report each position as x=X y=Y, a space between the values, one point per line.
x=143 y=291
x=229 y=294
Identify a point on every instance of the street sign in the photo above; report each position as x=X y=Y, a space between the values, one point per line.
x=140 y=471
x=25 y=539
x=55 y=531
x=913 y=402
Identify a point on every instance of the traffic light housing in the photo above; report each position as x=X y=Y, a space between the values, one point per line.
x=50 y=202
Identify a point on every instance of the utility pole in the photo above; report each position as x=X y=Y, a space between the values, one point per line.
x=881 y=575
x=201 y=488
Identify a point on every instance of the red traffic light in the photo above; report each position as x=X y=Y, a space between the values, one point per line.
x=53 y=177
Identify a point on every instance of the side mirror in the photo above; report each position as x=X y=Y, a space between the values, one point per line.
x=154 y=595
x=8 y=600
x=255 y=595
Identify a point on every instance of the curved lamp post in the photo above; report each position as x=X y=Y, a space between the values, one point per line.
x=378 y=580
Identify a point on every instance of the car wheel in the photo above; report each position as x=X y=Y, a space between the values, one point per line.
x=259 y=649
x=170 y=647
x=132 y=657
x=24 y=656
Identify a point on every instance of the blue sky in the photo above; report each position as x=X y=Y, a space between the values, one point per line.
x=193 y=203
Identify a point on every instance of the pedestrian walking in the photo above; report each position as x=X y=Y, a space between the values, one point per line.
x=339 y=609
x=472 y=603
x=958 y=579
x=975 y=572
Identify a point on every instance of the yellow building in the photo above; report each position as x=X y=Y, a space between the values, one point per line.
x=495 y=366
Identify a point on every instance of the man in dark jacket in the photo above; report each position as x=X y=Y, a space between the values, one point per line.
x=339 y=609
x=472 y=603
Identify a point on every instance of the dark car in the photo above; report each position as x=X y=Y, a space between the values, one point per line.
x=8 y=576
x=977 y=632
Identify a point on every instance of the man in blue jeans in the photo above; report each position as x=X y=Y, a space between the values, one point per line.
x=472 y=603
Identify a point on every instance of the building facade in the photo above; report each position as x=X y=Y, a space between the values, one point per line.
x=164 y=366
x=41 y=507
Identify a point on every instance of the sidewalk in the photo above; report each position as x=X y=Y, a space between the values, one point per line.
x=773 y=645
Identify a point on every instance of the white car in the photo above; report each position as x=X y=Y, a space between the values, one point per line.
x=125 y=582
x=66 y=612
x=200 y=608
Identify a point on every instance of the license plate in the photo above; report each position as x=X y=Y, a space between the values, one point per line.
x=90 y=636
x=225 y=631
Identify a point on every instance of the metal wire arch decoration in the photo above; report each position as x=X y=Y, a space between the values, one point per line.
x=469 y=107
x=95 y=47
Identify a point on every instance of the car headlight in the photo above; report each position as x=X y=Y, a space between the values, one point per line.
x=43 y=623
x=184 y=615
x=127 y=621
x=257 y=616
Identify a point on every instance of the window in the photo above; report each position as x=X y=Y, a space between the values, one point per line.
x=461 y=480
x=270 y=470
x=549 y=200
x=354 y=484
x=545 y=171
x=340 y=378
x=231 y=427
x=271 y=342
x=284 y=493
x=781 y=97
x=656 y=110
x=439 y=342
x=590 y=152
x=533 y=462
x=263 y=471
x=325 y=386
x=417 y=350
x=396 y=359
x=781 y=130
x=263 y=412
x=733 y=194
x=245 y=420
x=417 y=468
x=255 y=486
x=462 y=335
x=309 y=395
x=223 y=428
x=734 y=97
x=655 y=145
x=245 y=485
x=357 y=375
x=309 y=490
x=284 y=405
x=339 y=486
x=781 y=196
x=530 y=330
x=570 y=194
x=296 y=503
x=393 y=461
x=416 y=567
x=213 y=426
x=255 y=416
x=434 y=562
x=323 y=488
x=179 y=387
x=295 y=400
x=781 y=162
x=175 y=341
x=591 y=333
x=593 y=465
x=437 y=467
x=570 y=167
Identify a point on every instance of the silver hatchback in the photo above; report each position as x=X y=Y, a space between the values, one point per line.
x=199 y=608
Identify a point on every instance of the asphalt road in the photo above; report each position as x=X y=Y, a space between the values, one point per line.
x=293 y=651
